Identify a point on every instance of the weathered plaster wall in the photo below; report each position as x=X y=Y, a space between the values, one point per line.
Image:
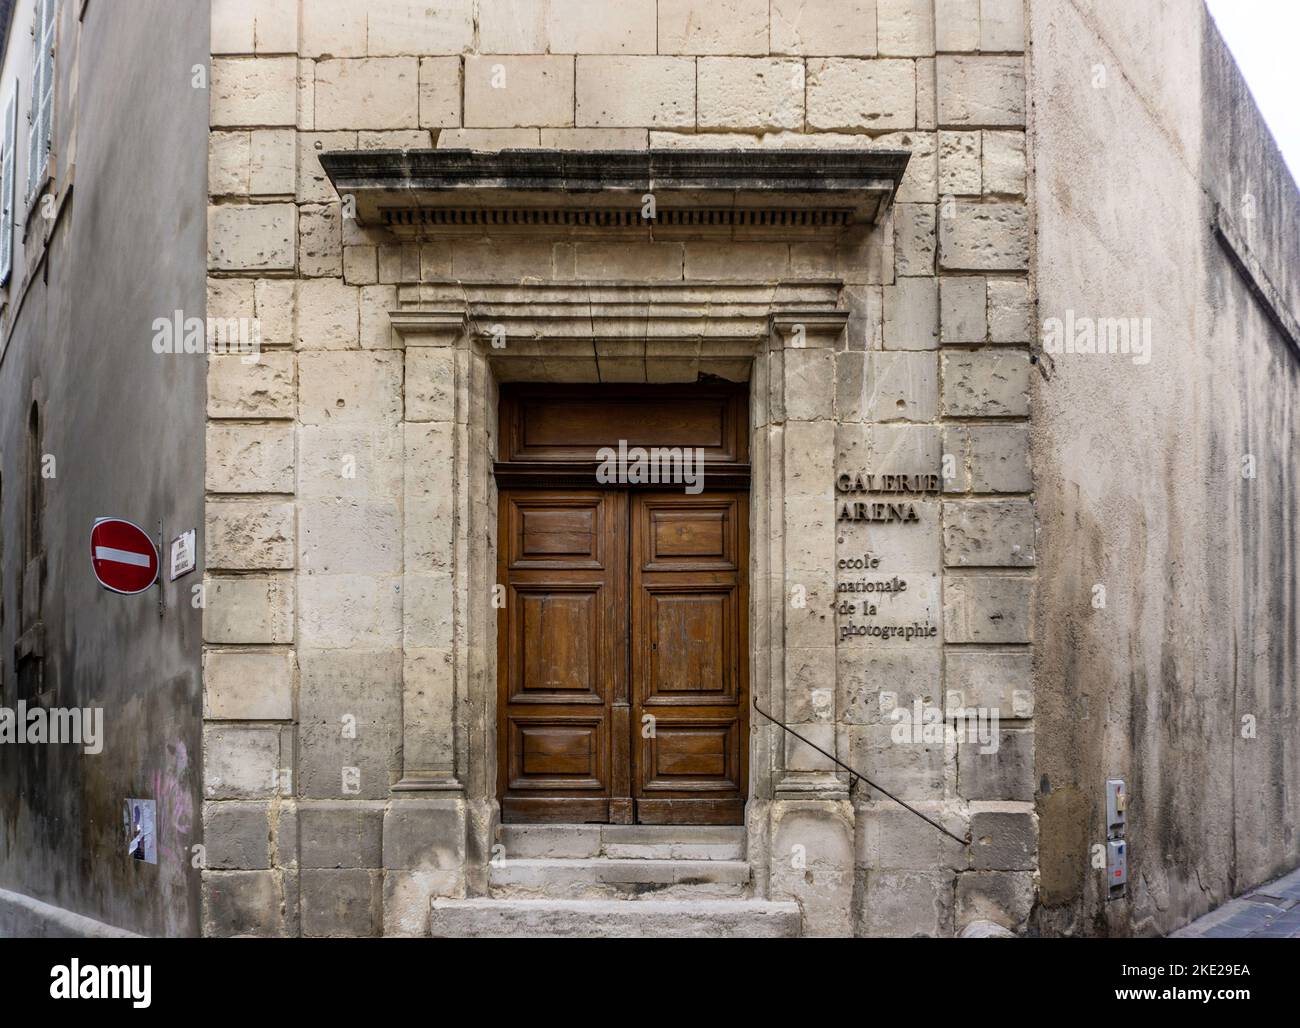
x=1140 y=470
x=339 y=559
x=123 y=425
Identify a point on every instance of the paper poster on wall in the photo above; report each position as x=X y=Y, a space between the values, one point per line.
x=140 y=818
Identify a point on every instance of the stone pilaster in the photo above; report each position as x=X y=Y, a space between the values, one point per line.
x=801 y=500
x=433 y=566
x=810 y=819
x=426 y=823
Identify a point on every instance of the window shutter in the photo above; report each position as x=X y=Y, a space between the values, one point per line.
x=47 y=99
x=34 y=111
x=7 y=188
x=42 y=117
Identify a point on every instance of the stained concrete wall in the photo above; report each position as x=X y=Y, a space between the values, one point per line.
x=124 y=246
x=1142 y=469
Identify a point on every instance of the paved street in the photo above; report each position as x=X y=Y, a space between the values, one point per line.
x=1272 y=911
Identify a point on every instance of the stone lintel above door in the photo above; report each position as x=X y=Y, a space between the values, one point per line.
x=623 y=332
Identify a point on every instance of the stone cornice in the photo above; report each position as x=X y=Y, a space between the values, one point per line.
x=764 y=192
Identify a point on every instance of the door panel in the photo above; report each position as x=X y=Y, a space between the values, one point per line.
x=556 y=753
x=689 y=540
x=563 y=676
x=695 y=756
x=623 y=610
x=556 y=423
x=689 y=657
x=556 y=643
x=559 y=530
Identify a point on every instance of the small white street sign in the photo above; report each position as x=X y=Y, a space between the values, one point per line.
x=182 y=555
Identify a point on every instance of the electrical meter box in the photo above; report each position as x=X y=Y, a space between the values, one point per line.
x=1116 y=865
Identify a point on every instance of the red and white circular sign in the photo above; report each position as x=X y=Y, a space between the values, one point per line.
x=123 y=556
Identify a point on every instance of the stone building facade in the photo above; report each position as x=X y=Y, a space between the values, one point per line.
x=835 y=208
x=888 y=347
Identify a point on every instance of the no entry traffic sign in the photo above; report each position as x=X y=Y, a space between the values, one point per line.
x=123 y=556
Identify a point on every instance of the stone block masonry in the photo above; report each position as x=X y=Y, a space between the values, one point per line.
x=340 y=574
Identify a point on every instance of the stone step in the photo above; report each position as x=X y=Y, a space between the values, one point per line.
x=628 y=842
x=609 y=878
x=645 y=919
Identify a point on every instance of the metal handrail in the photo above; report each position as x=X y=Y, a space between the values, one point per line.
x=862 y=778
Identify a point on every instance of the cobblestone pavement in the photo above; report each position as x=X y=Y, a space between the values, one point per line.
x=1270 y=911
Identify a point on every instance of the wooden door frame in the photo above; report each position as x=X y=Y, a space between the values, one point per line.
x=552 y=470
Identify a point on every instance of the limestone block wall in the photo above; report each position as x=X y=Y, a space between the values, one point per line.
x=339 y=570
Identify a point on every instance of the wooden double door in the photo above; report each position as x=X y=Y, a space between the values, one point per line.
x=623 y=656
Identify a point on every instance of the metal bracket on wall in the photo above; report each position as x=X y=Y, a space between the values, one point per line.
x=159 y=582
